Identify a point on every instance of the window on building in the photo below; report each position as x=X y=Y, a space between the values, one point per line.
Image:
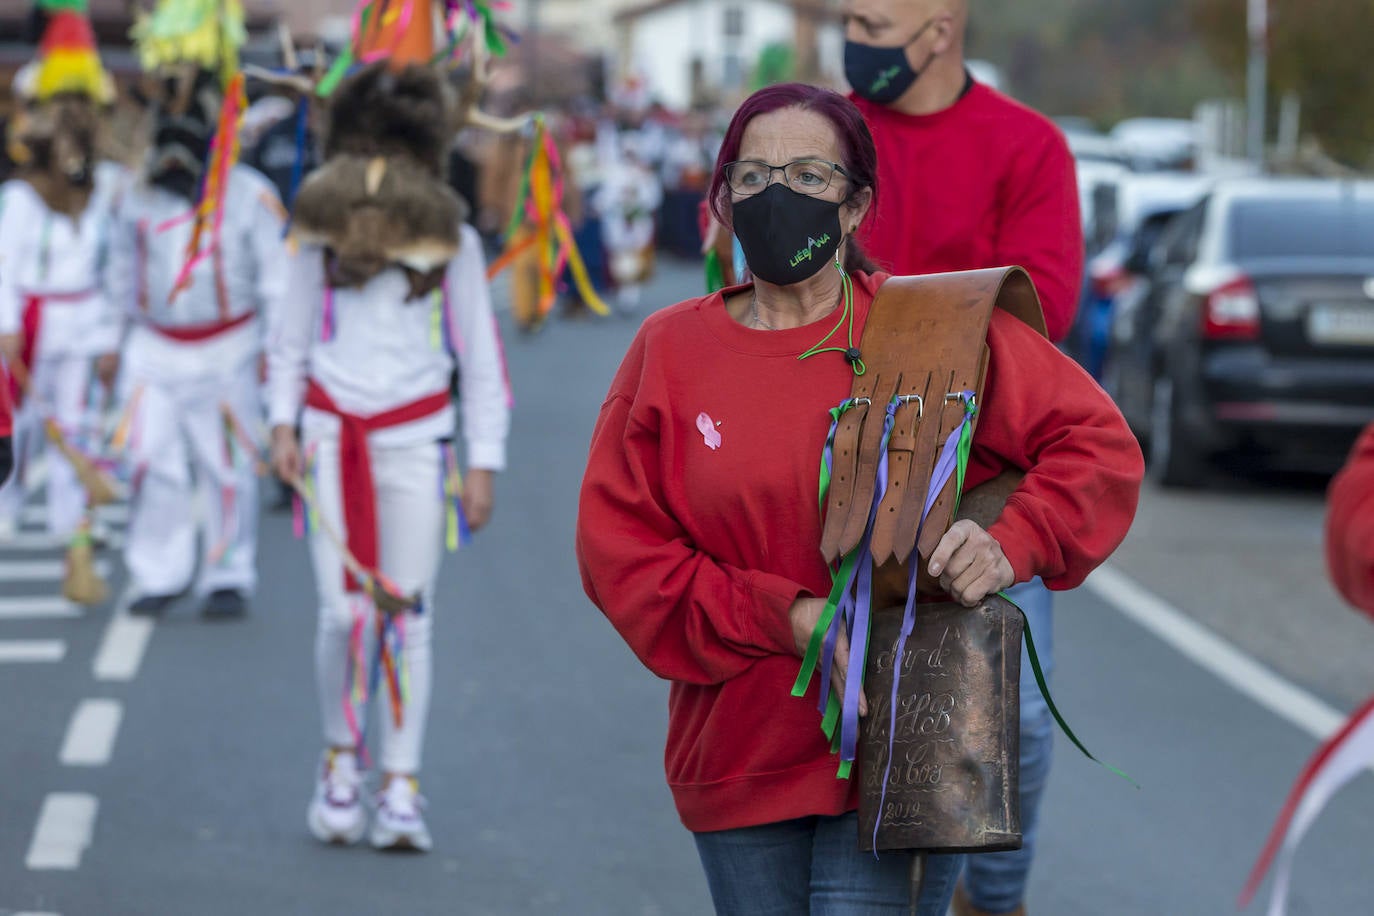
x=734 y=21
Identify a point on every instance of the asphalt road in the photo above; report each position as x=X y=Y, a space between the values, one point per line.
x=544 y=758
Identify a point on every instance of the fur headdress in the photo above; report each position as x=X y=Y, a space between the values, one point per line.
x=382 y=198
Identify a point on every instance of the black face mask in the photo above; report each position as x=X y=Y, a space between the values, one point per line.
x=182 y=135
x=787 y=236
x=881 y=75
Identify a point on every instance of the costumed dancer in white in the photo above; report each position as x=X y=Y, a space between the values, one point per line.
x=386 y=297
x=191 y=367
x=54 y=219
x=628 y=201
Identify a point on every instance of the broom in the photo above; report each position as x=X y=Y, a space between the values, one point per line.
x=385 y=596
x=100 y=489
x=81 y=584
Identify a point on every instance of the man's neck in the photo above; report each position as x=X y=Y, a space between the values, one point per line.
x=939 y=86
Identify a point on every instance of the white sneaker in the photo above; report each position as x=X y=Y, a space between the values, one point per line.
x=336 y=812
x=398 y=823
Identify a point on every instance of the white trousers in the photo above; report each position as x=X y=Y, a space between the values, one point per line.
x=59 y=386
x=179 y=437
x=410 y=520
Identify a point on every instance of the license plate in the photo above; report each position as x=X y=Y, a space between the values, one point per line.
x=1341 y=324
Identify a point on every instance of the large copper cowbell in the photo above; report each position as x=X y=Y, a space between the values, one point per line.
x=953 y=782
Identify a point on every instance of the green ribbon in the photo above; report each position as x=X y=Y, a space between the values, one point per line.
x=715 y=274
x=1049 y=700
x=839 y=582
x=963 y=450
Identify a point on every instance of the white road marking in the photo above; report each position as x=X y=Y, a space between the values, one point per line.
x=33 y=607
x=43 y=570
x=122 y=646
x=35 y=515
x=65 y=825
x=41 y=540
x=91 y=733
x=32 y=913
x=1212 y=653
x=32 y=650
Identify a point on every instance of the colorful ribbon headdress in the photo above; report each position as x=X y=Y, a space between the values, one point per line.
x=202 y=35
x=205 y=33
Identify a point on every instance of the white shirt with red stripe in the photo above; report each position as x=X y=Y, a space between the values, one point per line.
x=213 y=324
x=58 y=260
x=373 y=351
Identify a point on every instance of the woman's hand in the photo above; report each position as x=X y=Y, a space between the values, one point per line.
x=804 y=614
x=970 y=564
x=286 y=453
x=478 y=497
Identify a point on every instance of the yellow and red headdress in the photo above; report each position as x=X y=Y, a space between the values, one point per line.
x=68 y=63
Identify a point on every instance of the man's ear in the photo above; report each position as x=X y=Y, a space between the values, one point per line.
x=944 y=29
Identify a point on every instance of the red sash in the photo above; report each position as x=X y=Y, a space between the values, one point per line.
x=195 y=333
x=359 y=495
x=31 y=322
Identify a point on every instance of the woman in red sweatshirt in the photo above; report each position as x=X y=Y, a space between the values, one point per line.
x=698 y=531
x=6 y=426
x=1350 y=526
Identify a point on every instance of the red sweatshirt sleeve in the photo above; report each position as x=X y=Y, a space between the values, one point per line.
x=1041 y=229
x=1045 y=415
x=1350 y=526
x=685 y=615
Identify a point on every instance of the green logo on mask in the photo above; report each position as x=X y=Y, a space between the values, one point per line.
x=885 y=79
x=804 y=254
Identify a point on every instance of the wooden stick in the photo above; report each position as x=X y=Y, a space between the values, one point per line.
x=384 y=598
x=100 y=489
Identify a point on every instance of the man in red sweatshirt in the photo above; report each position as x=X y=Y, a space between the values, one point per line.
x=970 y=179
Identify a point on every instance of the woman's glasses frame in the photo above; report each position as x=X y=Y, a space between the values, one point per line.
x=793 y=173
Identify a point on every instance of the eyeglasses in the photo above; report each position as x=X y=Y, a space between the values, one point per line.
x=747 y=177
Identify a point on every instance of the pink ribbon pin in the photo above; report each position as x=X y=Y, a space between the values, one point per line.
x=708 y=430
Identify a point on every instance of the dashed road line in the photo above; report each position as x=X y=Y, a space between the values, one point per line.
x=43 y=570
x=36 y=515
x=31 y=541
x=32 y=650
x=91 y=733
x=66 y=823
x=35 y=607
x=122 y=646
x=1212 y=653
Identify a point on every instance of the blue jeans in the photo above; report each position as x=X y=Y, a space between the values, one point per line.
x=996 y=881
x=812 y=867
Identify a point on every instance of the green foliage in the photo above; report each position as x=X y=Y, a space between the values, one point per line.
x=1109 y=59
x=1105 y=59
x=1319 y=49
x=777 y=63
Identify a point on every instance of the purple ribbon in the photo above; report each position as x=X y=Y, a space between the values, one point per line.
x=859 y=605
x=945 y=467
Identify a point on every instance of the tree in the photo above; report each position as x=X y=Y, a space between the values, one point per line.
x=1106 y=59
x=1319 y=49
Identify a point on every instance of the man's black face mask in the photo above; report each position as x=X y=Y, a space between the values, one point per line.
x=184 y=127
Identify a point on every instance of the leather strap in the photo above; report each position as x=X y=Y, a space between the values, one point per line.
x=924 y=341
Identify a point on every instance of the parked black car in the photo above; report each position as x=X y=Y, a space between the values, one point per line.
x=1254 y=329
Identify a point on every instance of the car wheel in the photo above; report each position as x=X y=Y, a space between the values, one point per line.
x=1174 y=460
